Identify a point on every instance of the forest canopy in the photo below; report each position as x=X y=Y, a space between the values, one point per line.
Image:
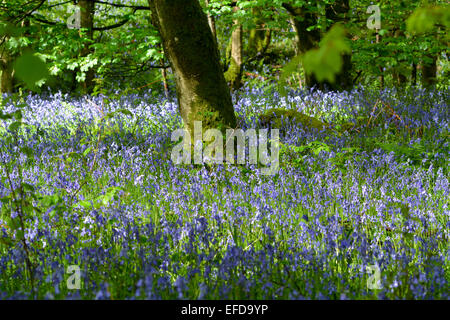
x=92 y=46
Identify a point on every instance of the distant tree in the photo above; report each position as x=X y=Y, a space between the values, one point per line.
x=87 y=10
x=308 y=37
x=259 y=36
x=212 y=22
x=234 y=73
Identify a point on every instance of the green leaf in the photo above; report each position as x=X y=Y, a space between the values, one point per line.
x=327 y=61
x=30 y=69
x=15 y=126
x=9 y=30
x=17 y=115
x=86 y=152
x=20 y=233
x=125 y=112
x=50 y=200
x=13 y=224
x=28 y=187
x=420 y=21
x=85 y=204
x=424 y=19
x=5 y=116
x=287 y=71
x=27 y=150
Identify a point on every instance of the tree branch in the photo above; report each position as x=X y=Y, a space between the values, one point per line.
x=60 y=4
x=113 y=26
x=123 y=5
x=291 y=10
x=26 y=14
x=53 y=23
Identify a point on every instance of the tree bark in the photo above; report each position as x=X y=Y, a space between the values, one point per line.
x=260 y=36
x=87 y=8
x=378 y=40
x=297 y=39
x=398 y=77
x=414 y=74
x=429 y=71
x=337 y=12
x=307 y=40
x=234 y=73
x=7 y=82
x=212 y=23
x=202 y=92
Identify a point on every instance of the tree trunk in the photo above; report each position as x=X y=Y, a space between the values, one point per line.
x=378 y=40
x=414 y=74
x=337 y=12
x=260 y=36
x=87 y=8
x=398 y=77
x=297 y=39
x=203 y=94
x=7 y=82
x=234 y=73
x=164 y=77
x=212 y=23
x=429 y=70
x=307 y=40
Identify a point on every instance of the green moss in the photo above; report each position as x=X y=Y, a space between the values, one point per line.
x=233 y=75
x=354 y=125
x=348 y=126
x=258 y=41
x=274 y=117
x=228 y=54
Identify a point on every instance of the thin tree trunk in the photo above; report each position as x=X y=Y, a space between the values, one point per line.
x=212 y=23
x=429 y=71
x=164 y=77
x=260 y=36
x=307 y=40
x=297 y=39
x=234 y=72
x=7 y=83
x=338 y=12
x=378 y=40
x=87 y=8
x=399 y=78
x=414 y=74
x=203 y=94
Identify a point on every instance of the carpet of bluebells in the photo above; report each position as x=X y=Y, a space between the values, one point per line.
x=361 y=213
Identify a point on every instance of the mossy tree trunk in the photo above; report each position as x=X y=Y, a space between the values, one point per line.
x=260 y=36
x=87 y=9
x=227 y=60
x=234 y=73
x=203 y=94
